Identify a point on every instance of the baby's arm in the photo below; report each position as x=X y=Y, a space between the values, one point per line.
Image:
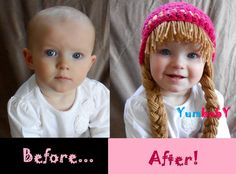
x=100 y=121
x=23 y=120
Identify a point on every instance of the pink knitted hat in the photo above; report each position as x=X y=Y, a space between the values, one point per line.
x=176 y=11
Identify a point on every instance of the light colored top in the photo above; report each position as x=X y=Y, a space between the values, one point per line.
x=30 y=115
x=137 y=123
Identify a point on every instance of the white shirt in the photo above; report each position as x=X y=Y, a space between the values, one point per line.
x=30 y=115
x=137 y=123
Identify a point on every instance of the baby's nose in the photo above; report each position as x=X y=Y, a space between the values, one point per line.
x=178 y=63
x=63 y=64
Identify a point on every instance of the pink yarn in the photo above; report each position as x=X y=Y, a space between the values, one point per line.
x=176 y=11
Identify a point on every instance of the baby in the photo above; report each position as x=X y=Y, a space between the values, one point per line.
x=176 y=58
x=58 y=100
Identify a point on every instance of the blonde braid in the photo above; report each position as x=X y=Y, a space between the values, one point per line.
x=211 y=123
x=157 y=112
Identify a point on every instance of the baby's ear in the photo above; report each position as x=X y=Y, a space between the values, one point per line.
x=93 y=58
x=28 y=58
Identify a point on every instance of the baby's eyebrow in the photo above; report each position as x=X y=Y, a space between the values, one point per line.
x=45 y=46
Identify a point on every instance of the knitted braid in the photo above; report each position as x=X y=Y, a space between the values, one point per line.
x=211 y=123
x=157 y=112
x=181 y=32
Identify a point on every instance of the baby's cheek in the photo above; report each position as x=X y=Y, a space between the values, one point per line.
x=45 y=72
x=155 y=74
x=196 y=73
x=157 y=69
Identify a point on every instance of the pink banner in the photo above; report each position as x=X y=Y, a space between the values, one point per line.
x=155 y=156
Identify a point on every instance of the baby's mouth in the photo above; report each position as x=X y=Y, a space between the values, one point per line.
x=176 y=76
x=62 y=78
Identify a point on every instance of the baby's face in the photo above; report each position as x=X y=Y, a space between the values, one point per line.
x=176 y=67
x=61 y=55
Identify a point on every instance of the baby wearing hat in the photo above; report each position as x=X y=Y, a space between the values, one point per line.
x=176 y=54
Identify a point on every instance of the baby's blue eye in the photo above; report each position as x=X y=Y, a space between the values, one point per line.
x=165 y=52
x=77 y=55
x=51 y=53
x=193 y=56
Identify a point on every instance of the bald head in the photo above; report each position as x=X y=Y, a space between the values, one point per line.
x=57 y=15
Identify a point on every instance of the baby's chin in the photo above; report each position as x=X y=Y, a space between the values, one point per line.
x=175 y=90
x=62 y=89
x=59 y=88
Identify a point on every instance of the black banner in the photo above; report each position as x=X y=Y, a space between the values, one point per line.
x=63 y=155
